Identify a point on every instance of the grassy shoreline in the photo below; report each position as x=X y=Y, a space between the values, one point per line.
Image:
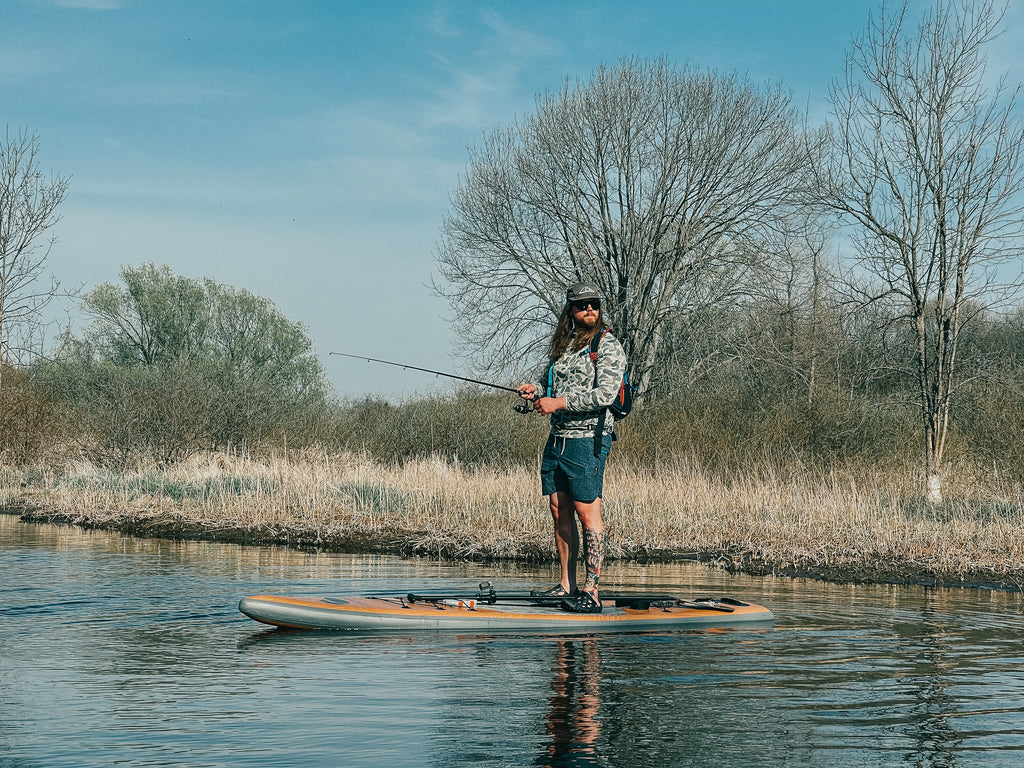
x=841 y=524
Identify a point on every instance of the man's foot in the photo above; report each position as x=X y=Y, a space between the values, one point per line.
x=584 y=602
x=556 y=591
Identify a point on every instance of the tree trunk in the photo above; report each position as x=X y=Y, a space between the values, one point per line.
x=934 y=488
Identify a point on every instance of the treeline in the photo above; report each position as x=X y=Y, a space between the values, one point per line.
x=169 y=366
x=172 y=366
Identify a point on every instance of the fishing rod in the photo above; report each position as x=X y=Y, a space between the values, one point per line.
x=522 y=408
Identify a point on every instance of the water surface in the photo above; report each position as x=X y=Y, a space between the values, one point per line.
x=123 y=651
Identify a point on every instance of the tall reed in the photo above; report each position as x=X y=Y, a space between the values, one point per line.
x=844 y=521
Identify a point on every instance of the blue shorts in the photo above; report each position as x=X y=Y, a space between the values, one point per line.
x=570 y=466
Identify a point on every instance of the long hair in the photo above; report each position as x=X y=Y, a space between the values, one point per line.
x=564 y=334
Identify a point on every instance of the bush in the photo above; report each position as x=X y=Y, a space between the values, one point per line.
x=166 y=412
x=468 y=426
x=31 y=422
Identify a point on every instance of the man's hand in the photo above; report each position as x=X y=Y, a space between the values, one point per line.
x=548 y=405
x=527 y=391
x=544 y=405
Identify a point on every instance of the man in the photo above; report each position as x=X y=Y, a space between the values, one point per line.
x=576 y=393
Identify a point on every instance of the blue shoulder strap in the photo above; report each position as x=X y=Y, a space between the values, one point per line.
x=599 y=448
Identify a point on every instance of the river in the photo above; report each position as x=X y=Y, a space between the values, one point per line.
x=131 y=652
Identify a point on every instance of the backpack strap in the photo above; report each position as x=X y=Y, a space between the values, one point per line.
x=594 y=343
x=599 y=430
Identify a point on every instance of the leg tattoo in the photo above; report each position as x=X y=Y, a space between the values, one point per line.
x=593 y=553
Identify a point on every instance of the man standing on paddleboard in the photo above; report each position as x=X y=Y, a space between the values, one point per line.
x=577 y=387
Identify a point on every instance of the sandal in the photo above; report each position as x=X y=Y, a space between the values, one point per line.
x=584 y=602
x=556 y=591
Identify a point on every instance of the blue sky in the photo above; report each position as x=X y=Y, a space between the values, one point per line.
x=306 y=150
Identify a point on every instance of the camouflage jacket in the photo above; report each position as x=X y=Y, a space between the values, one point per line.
x=573 y=379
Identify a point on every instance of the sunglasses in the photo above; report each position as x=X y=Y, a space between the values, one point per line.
x=582 y=306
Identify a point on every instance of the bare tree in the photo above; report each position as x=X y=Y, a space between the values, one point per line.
x=648 y=180
x=28 y=210
x=928 y=164
x=794 y=324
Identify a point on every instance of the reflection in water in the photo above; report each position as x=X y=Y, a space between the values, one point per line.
x=573 y=723
x=937 y=740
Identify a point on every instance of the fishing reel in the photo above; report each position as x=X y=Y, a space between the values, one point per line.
x=527 y=406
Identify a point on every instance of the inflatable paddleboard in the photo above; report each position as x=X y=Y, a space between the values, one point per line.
x=485 y=612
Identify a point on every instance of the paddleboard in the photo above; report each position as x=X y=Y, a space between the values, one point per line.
x=496 y=613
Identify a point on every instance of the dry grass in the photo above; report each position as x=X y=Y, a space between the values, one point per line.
x=844 y=522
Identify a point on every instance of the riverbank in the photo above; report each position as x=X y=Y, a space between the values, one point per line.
x=845 y=524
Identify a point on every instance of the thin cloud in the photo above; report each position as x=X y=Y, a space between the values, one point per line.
x=439 y=23
x=359 y=153
x=517 y=41
x=1004 y=54
x=17 y=63
x=466 y=96
x=469 y=91
x=92 y=5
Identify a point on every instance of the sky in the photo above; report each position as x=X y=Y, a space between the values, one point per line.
x=307 y=150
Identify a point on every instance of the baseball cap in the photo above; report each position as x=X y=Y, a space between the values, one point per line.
x=581 y=292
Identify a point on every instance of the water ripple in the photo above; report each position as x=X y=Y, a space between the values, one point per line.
x=132 y=652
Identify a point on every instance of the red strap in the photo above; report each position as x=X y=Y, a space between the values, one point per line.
x=593 y=352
